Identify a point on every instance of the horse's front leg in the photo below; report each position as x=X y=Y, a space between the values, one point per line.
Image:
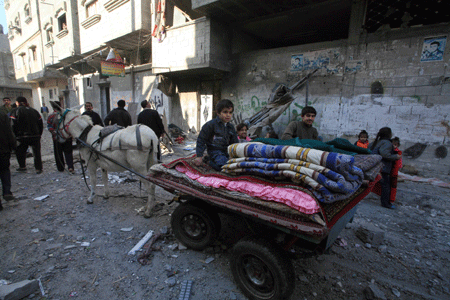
x=93 y=181
x=105 y=183
x=151 y=207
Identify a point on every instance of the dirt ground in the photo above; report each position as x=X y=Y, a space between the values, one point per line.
x=81 y=251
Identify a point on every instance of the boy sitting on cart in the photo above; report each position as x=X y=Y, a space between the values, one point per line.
x=216 y=135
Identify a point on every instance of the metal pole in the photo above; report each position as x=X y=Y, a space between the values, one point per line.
x=306 y=92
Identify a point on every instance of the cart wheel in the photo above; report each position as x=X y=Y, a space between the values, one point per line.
x=194 y=226
x=261 y=270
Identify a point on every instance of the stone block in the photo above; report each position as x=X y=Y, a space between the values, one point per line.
x=18 y=290
x=418 y=81
x=434 y=100
x=368 y=233
x=435 y=69
x=445 y=89
x=395 y=82
x=428 y=90
x=406 y=91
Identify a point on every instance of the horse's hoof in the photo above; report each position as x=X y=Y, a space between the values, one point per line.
x=157 y=207
x=105 y=196
x=90 y=202
x=148 y=215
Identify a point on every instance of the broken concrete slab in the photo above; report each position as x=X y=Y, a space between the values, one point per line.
x=370 y=234
x=18 y=290
x=372 y=292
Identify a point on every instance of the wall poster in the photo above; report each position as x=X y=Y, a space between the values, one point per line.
x=433 y=49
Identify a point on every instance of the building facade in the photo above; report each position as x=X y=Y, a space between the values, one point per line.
x=28 y=49
x=377 y=64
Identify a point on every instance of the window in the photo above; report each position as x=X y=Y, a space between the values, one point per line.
x=89 y=83
x=27 y=10
x=62 y=23
x=18 y=62
x=49 y=35
x=91 y=8
x=33 y=53
x=50 y=93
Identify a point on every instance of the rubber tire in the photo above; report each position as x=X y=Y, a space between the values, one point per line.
x=204 y=225
x=277 y=283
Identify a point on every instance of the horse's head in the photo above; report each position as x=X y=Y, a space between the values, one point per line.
x=70 y=121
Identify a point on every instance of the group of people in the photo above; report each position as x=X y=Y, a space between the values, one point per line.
x=388 y=148
x=21 y=127
x=216 y=135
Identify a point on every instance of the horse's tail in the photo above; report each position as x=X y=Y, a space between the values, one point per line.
x=152 y=156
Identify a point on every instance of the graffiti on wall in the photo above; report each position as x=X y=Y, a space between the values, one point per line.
x=433 y=49
x=157 y=101
x=353 y=66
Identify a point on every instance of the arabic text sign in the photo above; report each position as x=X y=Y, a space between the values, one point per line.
x=112 y=69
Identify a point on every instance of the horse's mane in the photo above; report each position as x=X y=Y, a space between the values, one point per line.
x=87 y=119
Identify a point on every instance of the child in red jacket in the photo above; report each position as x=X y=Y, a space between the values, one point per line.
x=363 y=140
x=396 y=166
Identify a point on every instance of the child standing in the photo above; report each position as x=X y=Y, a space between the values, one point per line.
x=216 y=135
x=383 y=146
x=396 y=166
x=242 y=133
x=363 y=140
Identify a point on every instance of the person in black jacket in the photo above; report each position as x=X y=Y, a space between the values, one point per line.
x=7 y=143
x=151 y=118
x=119 y=116
x=28 y=127
x=89 y=110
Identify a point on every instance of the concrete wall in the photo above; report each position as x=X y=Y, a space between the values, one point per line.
x=415 y=102
x=65 y=42
x=129 y=17
x=201 y=43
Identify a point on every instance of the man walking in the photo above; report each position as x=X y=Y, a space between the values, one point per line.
x=6 y=107
x=7 y=143
x=44 y=111
x=61 y=148
x=28 y=128
x=151 y=118
x=119 y=116
x=89 y=110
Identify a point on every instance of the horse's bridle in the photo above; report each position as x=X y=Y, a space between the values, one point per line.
x=64 y=131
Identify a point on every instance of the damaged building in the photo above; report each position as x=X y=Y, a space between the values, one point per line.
x=379 y=63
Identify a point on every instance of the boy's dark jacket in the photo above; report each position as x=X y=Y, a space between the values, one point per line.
x=216 y=135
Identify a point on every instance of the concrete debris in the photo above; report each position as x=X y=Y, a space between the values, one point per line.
x=126 y=229
x=141 y=243
x=41 y=198
x=173 y=246
x=368 y=233
x=209 y=259
x=372 y=292
x=18 y=290
x=171 y=281
x=85 y=244
x=396 y=292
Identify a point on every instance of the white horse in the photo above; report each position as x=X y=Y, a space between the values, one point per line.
x=134 y=147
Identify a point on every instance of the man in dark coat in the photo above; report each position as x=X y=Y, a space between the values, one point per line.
x=28 y=128
x=89 y=110
x=7 y=143
x=151 y=118
x=119 y=116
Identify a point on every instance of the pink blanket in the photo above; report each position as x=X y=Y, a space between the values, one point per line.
x=292 y=198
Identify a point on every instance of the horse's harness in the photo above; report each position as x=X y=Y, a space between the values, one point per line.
x=65 y=134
